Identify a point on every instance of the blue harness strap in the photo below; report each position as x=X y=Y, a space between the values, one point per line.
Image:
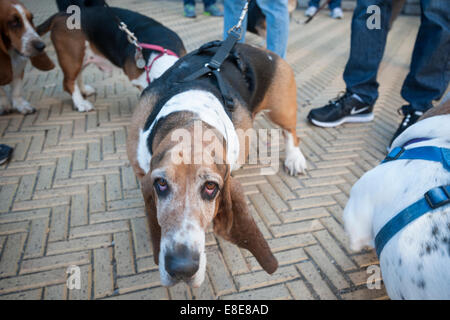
x=436 y=154
x=433 y=199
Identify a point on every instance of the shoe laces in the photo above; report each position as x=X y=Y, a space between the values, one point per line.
x=341 y=96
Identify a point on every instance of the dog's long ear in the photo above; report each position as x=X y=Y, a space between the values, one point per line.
x=42 y=62
x=150 y=207
x=234 y=223
x=6 y=72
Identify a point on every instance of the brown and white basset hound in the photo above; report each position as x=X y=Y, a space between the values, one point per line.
x=186 y=183
x=97 y=40
x=19 y=42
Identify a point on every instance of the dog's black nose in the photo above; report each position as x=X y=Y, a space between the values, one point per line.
x=39 y=45
x=182 y=263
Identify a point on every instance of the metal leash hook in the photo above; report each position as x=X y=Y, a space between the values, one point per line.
x=237 y=28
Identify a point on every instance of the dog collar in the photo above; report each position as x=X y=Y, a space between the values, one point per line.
x=432 y=199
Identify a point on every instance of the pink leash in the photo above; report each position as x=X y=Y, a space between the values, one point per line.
x=162 y=51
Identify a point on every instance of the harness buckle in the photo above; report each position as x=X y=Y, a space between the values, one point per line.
x=438 y=197
x=394 y=154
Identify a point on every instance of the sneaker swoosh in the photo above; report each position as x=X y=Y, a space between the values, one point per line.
x=355 y=111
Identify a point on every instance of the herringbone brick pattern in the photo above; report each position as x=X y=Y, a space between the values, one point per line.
x=69 y=196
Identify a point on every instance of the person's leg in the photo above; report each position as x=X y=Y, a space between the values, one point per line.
x=366 y=50
x=189 y=8
x=208 y=3
x=335 y=9
x=334 y=4
x=211 y=9
x=277 y=21
x=232 y=12
x=429 y=73
x=314 y=3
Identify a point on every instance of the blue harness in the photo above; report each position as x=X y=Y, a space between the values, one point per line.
x=432 y=199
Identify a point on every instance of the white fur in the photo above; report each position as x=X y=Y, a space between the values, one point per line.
x=410 y=271
x=189 y=232
x=29 y=34
x=208 y=108
x=18 y=63
x=158 y=68
x=295 y=162
x=81 y=104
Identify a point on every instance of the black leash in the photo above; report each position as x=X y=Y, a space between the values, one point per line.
x=222 y=53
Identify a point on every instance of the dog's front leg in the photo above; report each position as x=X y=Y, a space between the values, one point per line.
x=5 y=105
x=18 y=102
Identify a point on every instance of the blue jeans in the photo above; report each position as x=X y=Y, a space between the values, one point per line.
x=333 y=4
x=277 y=20
x=206 y=3
x=429 y=73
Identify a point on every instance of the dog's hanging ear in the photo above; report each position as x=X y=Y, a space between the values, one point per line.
x=234 y=223
x=6 y=72
x=150 y=208
x=42 y=62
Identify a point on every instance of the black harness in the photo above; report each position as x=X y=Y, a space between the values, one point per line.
x=210 y=69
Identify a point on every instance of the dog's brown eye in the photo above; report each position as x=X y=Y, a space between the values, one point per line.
x=161 y=186
x=16 y=23
x=210 y=189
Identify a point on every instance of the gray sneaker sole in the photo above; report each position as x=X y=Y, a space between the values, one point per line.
x=350 y=119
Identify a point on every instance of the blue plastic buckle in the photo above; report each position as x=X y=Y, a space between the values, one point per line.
x=438 y=197
x=394 y=154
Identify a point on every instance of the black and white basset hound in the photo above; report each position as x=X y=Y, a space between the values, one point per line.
x=402 y=208
x=100 y=42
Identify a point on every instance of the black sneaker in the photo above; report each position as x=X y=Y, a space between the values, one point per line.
x=5 y=153
x=344 y=108
x=411 y=117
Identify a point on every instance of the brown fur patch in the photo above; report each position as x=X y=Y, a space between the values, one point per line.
x=443 y=108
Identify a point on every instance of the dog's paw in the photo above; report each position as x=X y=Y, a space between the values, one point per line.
x=23 y=106
x=5 y=107
x=295 y=162
x=83 y=106
x=88 y=90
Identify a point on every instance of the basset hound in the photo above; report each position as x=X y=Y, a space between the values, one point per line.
x=99 y=41
x=19 y=42
x=402 y=208
x=186 y=183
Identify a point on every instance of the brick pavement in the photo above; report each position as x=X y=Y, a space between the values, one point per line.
x=69 y=196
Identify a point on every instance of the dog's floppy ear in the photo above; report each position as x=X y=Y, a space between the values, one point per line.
x=150 y=208
x=6 y=72
x=234 y=223
x=42 y=62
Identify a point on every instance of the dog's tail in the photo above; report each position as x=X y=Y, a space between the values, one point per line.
x=64 y=4
x=47 y=25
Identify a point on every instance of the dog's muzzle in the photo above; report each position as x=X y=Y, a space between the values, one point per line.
x=182 y=263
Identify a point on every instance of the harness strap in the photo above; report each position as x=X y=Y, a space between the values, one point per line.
x=213 y=68
x=163 y=51
x=428 y=153
x=433 y=199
